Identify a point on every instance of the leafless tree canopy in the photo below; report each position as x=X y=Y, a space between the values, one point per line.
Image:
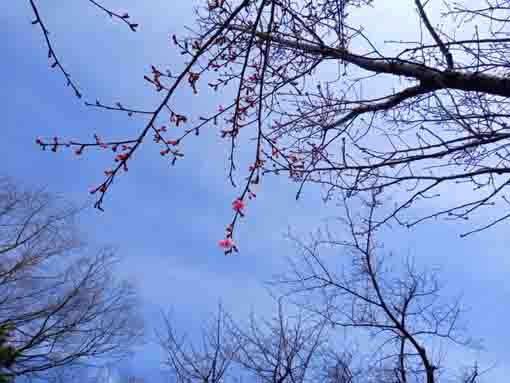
x=59 y=301
x=207 y=362
x=348 y=314
x=278 y=350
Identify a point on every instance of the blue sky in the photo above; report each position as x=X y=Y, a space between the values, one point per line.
x=166 y=221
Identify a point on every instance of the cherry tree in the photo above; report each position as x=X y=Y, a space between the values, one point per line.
x=435 y=125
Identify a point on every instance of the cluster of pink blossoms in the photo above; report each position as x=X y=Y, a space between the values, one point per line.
x=227 y=243
x=238 y=206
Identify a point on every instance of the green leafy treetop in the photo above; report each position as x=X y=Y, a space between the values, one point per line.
x=7 y=356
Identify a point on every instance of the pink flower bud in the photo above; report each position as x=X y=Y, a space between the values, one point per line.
x=226 y=243
x=121 y=157
x=238 y=205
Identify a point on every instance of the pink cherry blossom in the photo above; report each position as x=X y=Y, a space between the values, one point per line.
x=238 y=205
x=226 y=243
